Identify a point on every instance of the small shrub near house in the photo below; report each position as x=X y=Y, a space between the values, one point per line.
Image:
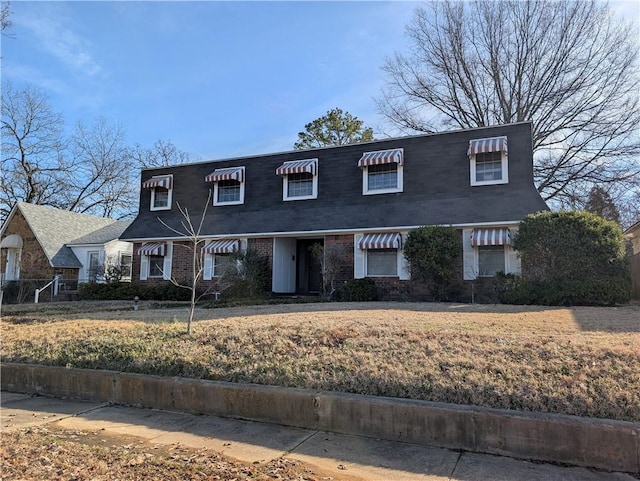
x=358 y=290
x=250 y=277
x=568 y=258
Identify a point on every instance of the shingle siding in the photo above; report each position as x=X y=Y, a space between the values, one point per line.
x=436 y=190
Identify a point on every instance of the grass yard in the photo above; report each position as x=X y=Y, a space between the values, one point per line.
x=583 y=360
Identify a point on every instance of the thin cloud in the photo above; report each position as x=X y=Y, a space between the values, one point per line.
x=52 y=35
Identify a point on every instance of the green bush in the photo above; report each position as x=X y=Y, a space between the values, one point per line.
x=434 y=254
x=568 y=258
x=358 y=290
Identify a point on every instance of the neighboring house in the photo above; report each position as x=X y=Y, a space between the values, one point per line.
x=38 y=242
x=633 y=234
x=365 y=197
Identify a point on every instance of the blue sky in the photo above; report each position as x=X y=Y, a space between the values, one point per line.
x=218 y=79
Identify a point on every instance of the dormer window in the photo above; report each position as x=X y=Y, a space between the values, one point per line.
x=382 y=171
x=228 y=185
x=161 y=191
x=489 y=161
x=299 y=179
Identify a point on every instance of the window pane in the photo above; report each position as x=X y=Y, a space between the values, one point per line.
x=383 y=262
x=489 y=166
x=299 y=185
x=221 y=263
x=93 y=266
x=383 y=176
x=490 y=260
x=228 y=191
x=125 y=265
x=156 y=264
x=160 y=197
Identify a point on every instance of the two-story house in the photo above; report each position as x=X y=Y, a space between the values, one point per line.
x=366 y=197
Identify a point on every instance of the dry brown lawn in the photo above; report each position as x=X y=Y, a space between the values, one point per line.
x=582 y=360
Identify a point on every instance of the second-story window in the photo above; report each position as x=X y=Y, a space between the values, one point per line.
x=299 y=179
x=228 y=185
x=161 y=191
x=382 y=171
x=489 y=161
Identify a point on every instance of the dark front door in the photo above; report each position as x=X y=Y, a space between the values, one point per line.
x=309 y=270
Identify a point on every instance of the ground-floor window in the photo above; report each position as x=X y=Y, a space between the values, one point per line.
x=156 y=264
x=491 y=260
x=382 y=262
x=125 y=265
x=221 y=264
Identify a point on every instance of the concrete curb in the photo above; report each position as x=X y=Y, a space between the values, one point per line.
x=598 y=443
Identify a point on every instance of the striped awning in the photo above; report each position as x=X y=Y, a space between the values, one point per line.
x=152 y=249
x=493 y=144
x=490 y=237
x=387 y=240
x=382 y=157
x=158 y=181
x=230 y=173
x=298 y=167
x=224 y=246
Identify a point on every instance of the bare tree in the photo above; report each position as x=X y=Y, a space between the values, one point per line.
x=99 y=181
x=569 y=67
x=32 y=149
x=195 y=243
x=5 y=21
x=331 y=259
x=162 y=154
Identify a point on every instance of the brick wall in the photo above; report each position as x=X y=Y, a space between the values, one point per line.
x=264 y=246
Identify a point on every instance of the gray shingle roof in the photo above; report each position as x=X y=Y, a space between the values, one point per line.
x=54 y=228
x=436 y=190
x=103 y=235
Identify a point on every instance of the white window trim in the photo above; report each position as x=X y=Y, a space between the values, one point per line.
x=145 y=265
x=365 y=183
x=233 y=202
x=470 y=257
x=153 y=200
x=505 y=172
x=285 y=189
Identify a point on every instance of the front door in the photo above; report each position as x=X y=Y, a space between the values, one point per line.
x=309 y=269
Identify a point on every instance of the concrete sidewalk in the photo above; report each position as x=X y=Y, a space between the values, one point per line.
x=341 y=457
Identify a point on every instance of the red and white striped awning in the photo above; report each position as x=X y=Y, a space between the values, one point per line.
x=224 y=246
x=152 y=249
x=158 y=181
x=382 y=157
x=298 y=167
x=229 y=173
x=493 y=144
x=490 y=237
x=386 y=240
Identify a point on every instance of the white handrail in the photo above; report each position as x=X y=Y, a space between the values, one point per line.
x=55 y=289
